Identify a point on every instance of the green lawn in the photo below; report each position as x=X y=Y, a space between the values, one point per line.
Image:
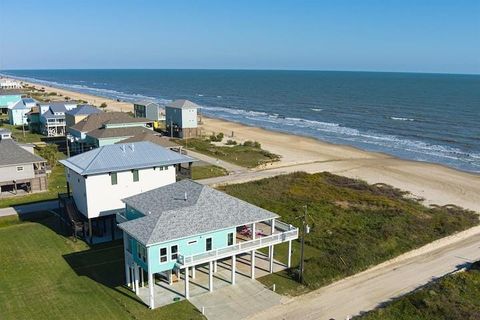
x=209 y=171
x=249 y=157
x=354 y=225
x=452 y=297
x=18 y=135
x=56 y=184
x=47 y=276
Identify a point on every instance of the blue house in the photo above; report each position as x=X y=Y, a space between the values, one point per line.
x=186 y=225
x=17 y=113
x=8 y=98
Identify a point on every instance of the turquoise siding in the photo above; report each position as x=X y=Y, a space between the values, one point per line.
x=219 y=240
x=6 y=100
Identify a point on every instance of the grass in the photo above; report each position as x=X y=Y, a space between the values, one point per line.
x=17 y=133
x=48 y=276
x=452 y=297
x=249 y=157
x=56 y=184
x=353 y=225
x=209 y=171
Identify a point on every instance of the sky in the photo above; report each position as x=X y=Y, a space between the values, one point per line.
x=389 y=35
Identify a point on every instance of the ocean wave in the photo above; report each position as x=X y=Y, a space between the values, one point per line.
x=402 y=119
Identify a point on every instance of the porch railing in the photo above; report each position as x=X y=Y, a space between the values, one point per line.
x=290 y=234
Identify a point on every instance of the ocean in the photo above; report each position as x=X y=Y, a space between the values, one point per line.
x=424 y=117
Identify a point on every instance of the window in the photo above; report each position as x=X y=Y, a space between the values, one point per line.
x=174 y=252
x=163 y=255
x=208 y=244
x=135 y=175
x=19 y=169
x=230 y=239
x=113 y=178
x=141 y=252
x=192 y=242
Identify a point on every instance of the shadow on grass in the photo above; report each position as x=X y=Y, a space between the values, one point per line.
x=103 y=263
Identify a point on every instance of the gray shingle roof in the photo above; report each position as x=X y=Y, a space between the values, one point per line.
x=12 y=153
x=183 y=104
x=149 y=136
x=123 y=157
x=117 y=132
x=58 y=108
x=168 y=216
x=95 y=121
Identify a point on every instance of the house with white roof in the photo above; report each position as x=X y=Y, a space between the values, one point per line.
x=52 y=117
x=98 y=179
x=171 y=231
x=17 y=112
x=181 y=119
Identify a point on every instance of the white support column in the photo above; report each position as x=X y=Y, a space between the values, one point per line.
x=210 y=276
x=135 y=269
x=273 y=226
x=271 y=259
x=132 y=278
x=193 y=272
x=289 y=260
x=187 y=289
x=127 y=274
x=215 y=266
x=151 y=285
x=254 y=232
x=234 y=268
x=170 y=277
x=142 y=281
x=252 y=265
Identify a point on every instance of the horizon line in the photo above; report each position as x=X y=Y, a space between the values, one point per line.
x=240 y=69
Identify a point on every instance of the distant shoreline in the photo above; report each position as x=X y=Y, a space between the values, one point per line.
x=436 y=183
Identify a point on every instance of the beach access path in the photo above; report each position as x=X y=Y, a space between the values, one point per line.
x=366 y=290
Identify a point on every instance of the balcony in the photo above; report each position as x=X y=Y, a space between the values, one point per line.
x=283 y=232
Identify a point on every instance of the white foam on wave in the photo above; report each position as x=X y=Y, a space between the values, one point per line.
x=316 y=109
x=402 y=119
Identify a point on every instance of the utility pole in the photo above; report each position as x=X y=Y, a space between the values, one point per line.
x=302 y=250
x=68 y=148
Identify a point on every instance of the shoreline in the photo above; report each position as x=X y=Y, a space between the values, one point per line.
x=436 y=183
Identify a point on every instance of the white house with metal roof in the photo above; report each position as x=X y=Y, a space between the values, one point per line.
x=98 y=179
x=182 y=226
x=17 y=112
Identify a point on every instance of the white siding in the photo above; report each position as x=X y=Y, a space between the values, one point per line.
x=189 y=118
x=77 y=188
x=101 y=196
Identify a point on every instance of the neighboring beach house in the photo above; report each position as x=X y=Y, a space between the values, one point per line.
x=20 y=168
x=7 y=98
x=106 y=128
x=17 y=112
x=52 y=117
x=181 y=119
x=149 y=110
x=185 y=225
x=74 y=116
x=100 y=178
x=10 y=84
x=155 y=138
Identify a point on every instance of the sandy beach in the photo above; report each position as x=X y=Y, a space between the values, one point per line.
x=436 y=184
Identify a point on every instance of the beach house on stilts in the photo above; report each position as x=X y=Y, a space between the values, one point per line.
x=98 y=179
x=172 y=231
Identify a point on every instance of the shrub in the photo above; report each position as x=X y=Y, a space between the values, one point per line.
x=252 y=144
x=103 y=105
x=231 y=143
x=216 y=138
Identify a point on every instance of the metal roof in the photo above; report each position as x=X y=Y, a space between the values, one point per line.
x=123 y=157
x=83 y=109
x=12 y=153
x=149 y=136
x=185 y=209
x=19 y=105
x=183 y=104
x=58 y=108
